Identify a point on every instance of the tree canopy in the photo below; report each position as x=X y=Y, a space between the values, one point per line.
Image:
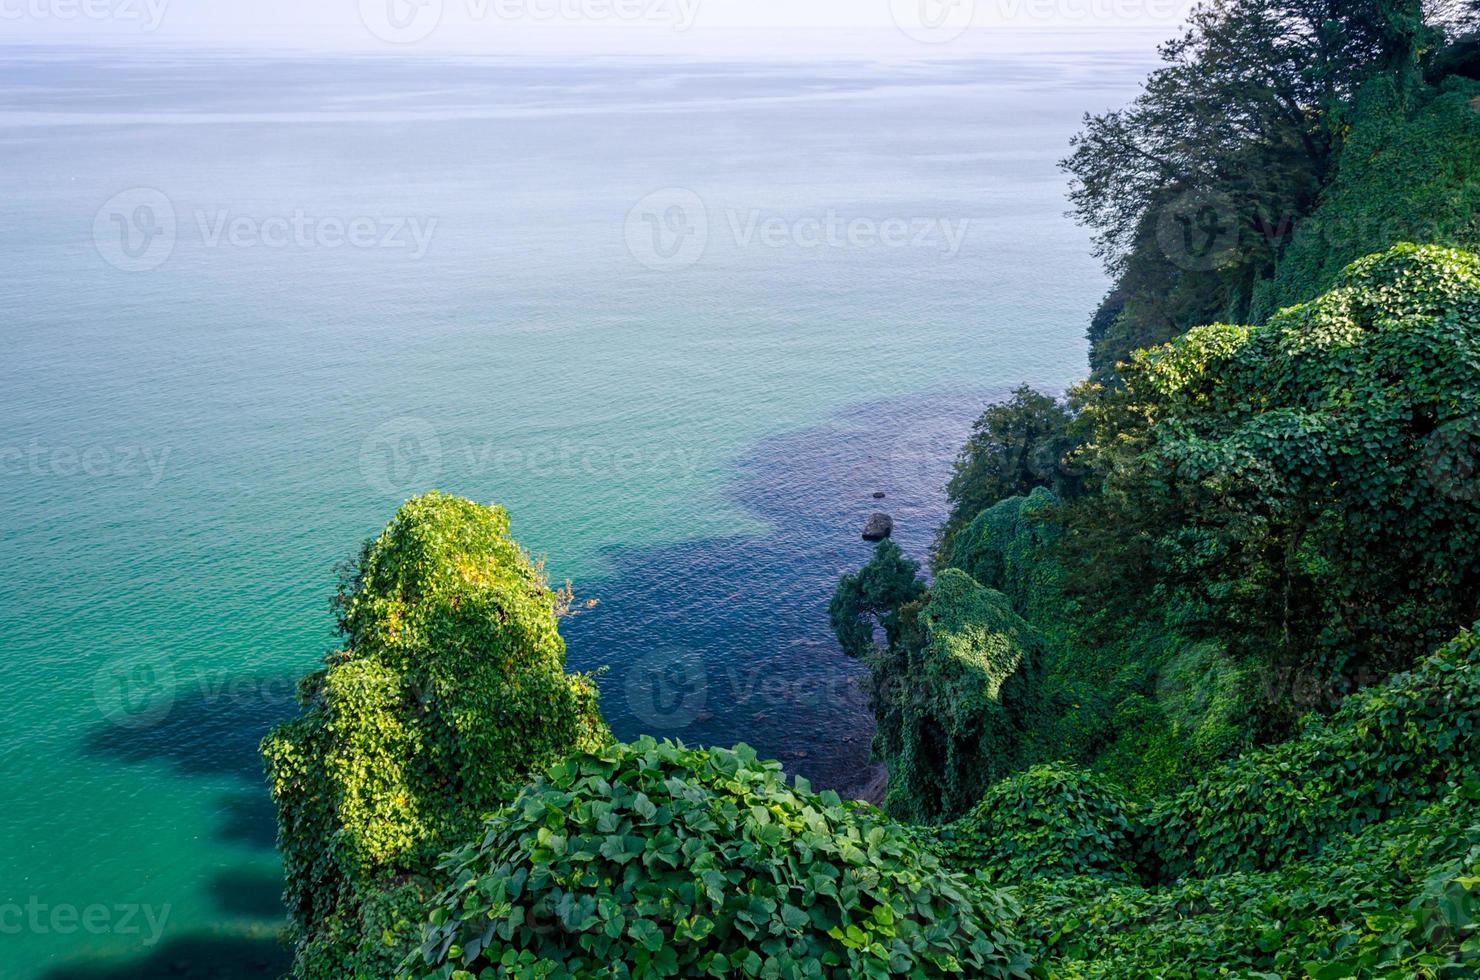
x=450 y=690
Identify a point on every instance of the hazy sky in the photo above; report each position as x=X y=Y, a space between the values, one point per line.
x=795 y=28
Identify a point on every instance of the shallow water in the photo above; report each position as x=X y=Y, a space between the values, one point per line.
x=682 y=319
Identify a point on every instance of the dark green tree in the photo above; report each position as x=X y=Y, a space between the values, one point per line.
x=1193 y=189
x=1307 y=488
x=1015 y=447
x=872 y=599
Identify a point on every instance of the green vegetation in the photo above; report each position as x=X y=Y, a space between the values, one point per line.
x=1238 y=754
x=1351 y=851
x=1193 y=691
x=656 y=860
x=1196 y=190
x=1015 y=447
x=951 y=695
x=1409 y=171
x=1051 y=821
x=1281 y=514
x=1009 y=548
x=872 y=599
x=449 y=692
x=1295 y=480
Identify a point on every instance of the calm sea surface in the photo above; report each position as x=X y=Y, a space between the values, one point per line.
x=683 y=320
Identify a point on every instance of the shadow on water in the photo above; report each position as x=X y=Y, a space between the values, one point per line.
x=248 y=893
x=203 y=727
x=249 y=818
x=255 y=955
x=210 y=728
x=723 y=640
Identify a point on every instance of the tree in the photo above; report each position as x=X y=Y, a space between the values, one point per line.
x=1194 y=188
x=450 y=691
x=954 y=694
x=1015 y=447
x=1308 y=487
x=873 y=598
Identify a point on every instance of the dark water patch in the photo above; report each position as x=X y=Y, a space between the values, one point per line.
x=249 y=893
x=254 y=955
x=248 y=818
x=202 y=726
x=723 y=640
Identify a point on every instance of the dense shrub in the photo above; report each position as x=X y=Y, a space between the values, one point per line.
x=1399 y=900
x=1404 y=741
x=653 y=860
x=1141 y=704
x=368 y=935
x=1310 y=484
x=1208 y=700
x=953 y=698
x=1016 y=446
x=1052 y=821
x=450 y=690
x=1352 y=851
x=1013 y=547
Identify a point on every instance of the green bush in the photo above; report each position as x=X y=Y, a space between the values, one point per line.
x=953 y=698
x=449 y=691
x=1404 y=741
x=1015 y=446
x=1310 y=484
x=1209 y=700
x=873 y=598
x=368 y=936
x=653 y=860
x=1141 y=704
x=1399 y=900
x=1352 y=851
x=1050 y=821
x=1013 y=547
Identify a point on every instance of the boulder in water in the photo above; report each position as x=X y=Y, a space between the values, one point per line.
x=879 y=527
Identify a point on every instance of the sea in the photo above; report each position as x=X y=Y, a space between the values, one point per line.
x=684 y=319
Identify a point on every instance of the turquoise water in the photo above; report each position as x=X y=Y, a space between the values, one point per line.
x=682 y=319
